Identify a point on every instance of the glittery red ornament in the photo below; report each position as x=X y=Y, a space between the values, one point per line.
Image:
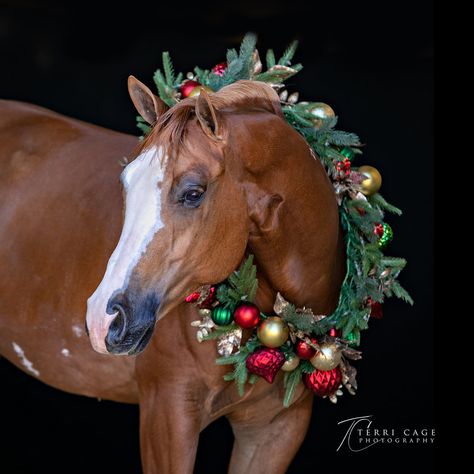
x=344 y=167
x=378 y=230
x=247 y=315
x=376 y=310
x=333 y=332
x=193 y=297
x=219 y=69
x=265 y=362
x=187 y=87
x=323 y=382
x=211 y=298
x=304 y=350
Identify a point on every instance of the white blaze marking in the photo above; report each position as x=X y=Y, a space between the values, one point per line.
x=65 y=352
x=141 y=180
x=77 y=330
x=26 y=363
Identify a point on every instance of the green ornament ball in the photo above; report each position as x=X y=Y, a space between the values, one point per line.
x=352 y=339
x=347 y=153
x=387 y=236
x=222 y=316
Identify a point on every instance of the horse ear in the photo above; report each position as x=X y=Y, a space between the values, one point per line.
x=148 y=105
x=207 y=115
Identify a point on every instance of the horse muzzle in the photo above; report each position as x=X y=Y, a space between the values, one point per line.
x=133 y=324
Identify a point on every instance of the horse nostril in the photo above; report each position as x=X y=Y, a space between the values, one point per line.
x=118 y=327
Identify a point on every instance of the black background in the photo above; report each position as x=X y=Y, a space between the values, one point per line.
x=372 y=61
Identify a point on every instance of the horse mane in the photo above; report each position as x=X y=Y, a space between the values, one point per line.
x=170 y=128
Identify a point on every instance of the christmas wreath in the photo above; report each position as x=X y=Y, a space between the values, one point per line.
x=305 y=346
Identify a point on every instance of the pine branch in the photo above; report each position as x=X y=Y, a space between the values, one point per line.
x=241 y=375
x=287 y=56
x=247 y=47
x=290 y=382
x=231 y=56
x=178 y=80
x=202 y=75
x=253 y=379
x=244 y=282
x=340 y=138
x=394 y=262
x=270 y=59
x=164 y=91
x=168 y=68
x=401 y=293
x=306 y=367
x=377 y=200
x=142 y=124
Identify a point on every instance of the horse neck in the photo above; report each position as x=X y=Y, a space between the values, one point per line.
x=302 y=255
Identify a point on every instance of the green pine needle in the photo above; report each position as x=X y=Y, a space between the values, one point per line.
x=247 y=47
x=168 y=68
x=377 y=200
x=270 y=59
x=287 y=56
x=291 y=381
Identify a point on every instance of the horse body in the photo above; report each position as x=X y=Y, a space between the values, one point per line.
x=61 y=218
x=60 y=215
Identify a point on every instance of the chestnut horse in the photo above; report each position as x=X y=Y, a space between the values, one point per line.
x=219 y=176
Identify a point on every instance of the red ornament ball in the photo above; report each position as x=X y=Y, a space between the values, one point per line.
x=265 y=362
x=187 y=87
x=304 y=350
x=376 y=310
x=323 y=382
x=219 y=69
x=333 y=332
x=378 y=230
x=247 y=315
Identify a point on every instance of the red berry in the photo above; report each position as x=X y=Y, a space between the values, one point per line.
x=193 y=297
x=247 y=315
x=219 y=69
x=333 y=332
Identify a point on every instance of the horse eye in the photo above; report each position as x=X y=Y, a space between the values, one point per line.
x=192 y=197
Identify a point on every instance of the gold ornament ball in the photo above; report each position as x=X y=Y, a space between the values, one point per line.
x=273 y=332
x=327 y=358
x=197 y=90
x=322 y=111
x=372 y=182
x=291 y=364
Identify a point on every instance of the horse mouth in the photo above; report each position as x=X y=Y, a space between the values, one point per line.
x=142 y=342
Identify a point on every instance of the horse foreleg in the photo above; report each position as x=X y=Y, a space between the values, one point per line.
x=268 y=445
x=169 y=433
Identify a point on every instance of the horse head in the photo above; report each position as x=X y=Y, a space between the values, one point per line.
x=211 y=175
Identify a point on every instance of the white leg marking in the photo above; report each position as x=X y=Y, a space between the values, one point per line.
x=26 y=363
x=141 y=180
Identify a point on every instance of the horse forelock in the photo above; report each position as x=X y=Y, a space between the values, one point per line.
x=169 y=131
